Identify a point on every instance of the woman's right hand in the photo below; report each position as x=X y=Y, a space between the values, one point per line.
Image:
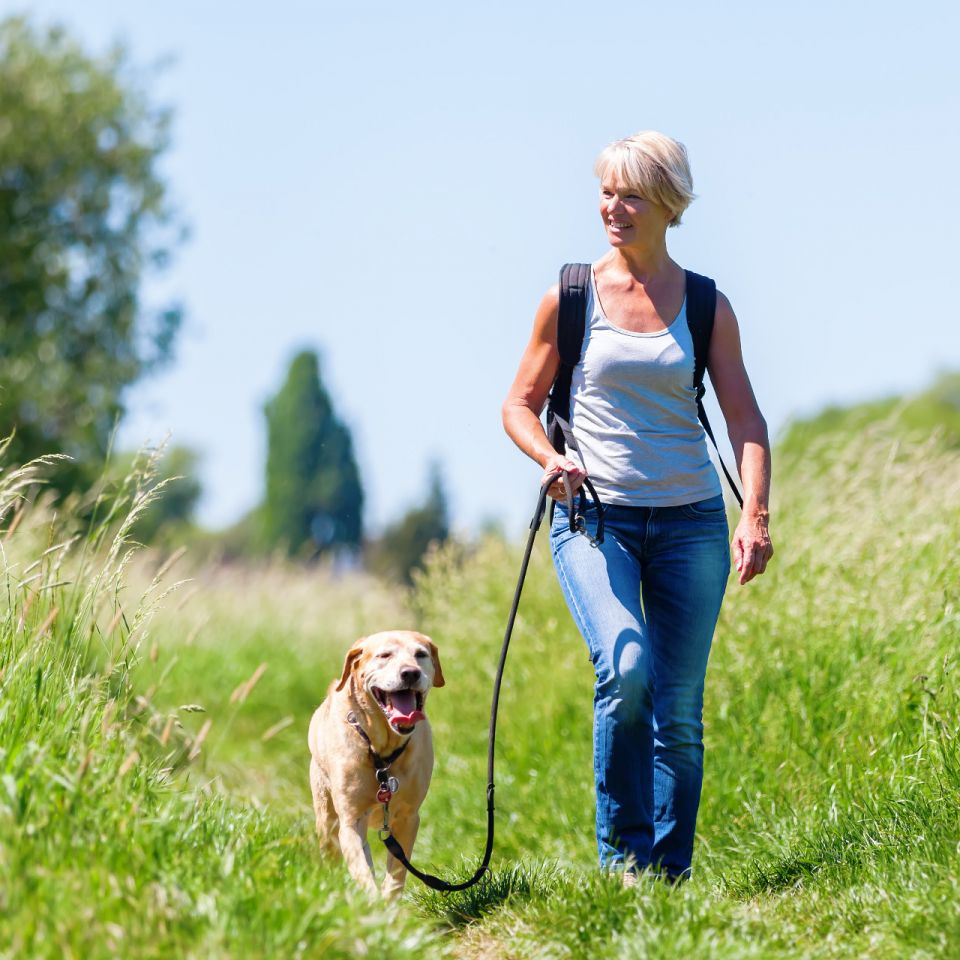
x=559 y=462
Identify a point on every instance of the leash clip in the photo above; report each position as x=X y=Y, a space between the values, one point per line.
x=581 y=527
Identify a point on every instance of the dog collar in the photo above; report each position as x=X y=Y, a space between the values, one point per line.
x=387 y=785
x=380 y=763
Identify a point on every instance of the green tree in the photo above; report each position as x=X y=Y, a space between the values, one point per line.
x=83 y=217
x=401 y=549
x=314 y=499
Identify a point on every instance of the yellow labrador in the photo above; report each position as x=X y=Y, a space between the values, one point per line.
x=373 y=716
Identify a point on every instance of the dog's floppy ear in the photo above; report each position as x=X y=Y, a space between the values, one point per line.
x=438 y=680
x=353 y=654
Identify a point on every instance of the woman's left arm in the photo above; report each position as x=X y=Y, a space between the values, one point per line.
x=747 y=430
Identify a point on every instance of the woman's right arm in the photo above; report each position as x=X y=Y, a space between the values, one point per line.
x=531 y=386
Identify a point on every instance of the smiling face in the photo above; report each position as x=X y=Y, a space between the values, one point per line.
x=654 y=165
x=396 y=670
x=628 y=217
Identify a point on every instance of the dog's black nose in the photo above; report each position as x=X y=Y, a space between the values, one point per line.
x=410 y=676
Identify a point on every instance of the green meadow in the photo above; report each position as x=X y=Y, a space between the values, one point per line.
x=153 y=712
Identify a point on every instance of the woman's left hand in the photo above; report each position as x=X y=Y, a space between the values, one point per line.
x=752 y=547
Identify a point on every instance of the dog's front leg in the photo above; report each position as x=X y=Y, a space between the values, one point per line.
x=356 y=851
x=326 y=815
x=405 y=829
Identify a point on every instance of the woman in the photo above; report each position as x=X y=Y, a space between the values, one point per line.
x=647 y=599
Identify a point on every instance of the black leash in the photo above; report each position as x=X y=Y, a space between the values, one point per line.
x=577 y=525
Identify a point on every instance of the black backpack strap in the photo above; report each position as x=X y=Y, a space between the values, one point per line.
x=701 y=310
x=571 y=325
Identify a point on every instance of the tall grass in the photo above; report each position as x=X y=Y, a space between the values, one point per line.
x=108 y=846
x=154 y=797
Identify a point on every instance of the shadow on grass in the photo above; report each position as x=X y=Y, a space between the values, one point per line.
x=496 y=888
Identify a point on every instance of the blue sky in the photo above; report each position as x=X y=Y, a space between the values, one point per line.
x=397 y=185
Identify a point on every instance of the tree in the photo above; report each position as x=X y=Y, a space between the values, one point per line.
x=314 y=499
x=83 y=217
x=401 y=549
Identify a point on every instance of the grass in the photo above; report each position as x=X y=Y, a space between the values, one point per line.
x=153 y=789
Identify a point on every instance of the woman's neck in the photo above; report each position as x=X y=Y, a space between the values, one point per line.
x=643 y=263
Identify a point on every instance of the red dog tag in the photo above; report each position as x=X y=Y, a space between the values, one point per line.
x=384 y=795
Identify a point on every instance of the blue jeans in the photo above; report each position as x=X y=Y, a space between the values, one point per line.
x=646 y=601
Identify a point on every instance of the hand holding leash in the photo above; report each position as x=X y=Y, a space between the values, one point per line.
x=560 y=472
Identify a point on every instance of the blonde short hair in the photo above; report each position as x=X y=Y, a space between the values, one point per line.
x=654 y=165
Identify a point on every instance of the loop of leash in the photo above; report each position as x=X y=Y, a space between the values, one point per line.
x=577 y=524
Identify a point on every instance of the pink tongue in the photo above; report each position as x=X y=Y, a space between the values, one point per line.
x=403 y=708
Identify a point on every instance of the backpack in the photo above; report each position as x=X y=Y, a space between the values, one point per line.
x=571 y=322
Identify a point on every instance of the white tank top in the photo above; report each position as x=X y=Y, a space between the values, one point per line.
x=633 y=409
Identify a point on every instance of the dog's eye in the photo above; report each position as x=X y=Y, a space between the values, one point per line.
x=422 y=653
x=384 y=656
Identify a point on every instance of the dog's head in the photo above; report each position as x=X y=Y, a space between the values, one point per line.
x=396 y=669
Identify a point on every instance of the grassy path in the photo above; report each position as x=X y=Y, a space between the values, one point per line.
x=153 y=792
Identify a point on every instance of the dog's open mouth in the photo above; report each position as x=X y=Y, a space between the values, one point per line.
x=403 y=708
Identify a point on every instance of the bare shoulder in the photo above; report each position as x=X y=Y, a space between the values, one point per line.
x=726 y=330
x=724 y=315
x=545 y=321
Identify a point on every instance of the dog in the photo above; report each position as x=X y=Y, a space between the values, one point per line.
x=374 y=715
